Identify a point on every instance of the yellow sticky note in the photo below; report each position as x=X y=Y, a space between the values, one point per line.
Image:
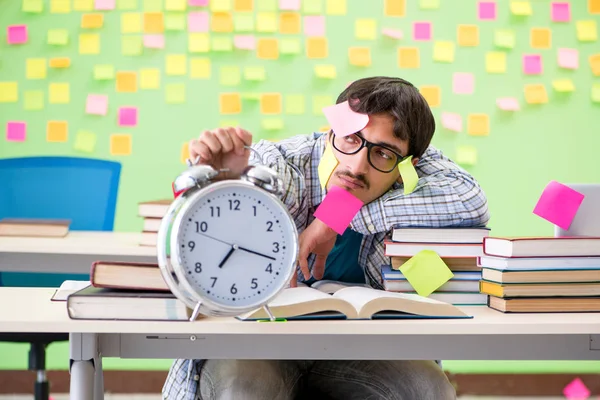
x=175 y=22
x=127 y=5
x=35 y=68
x=267 y=49
x=365 y=29
x=289 y=23
x=175 y=93
x=594 y=61
x=175 y=5
x=89 y=43
x=426 y=272
x=57 y=131
x=408 y=57
x=327 y=165
x=60 y=6
x=120 y=144
x=272 y=124
x=58 y=37
x=243 y=22
x=220 y=5
x=83 y=5
x=221 y=22
x=200 y=68
x=325 y=71
x=294 y=104
x=104 y=72
x=230 y=103
x=131 y=45
x=131 y=23
x=443 y=51
x=255 y=73
x=478 y=124
x=563 y=85
x=394 y=8
x=59 y=93
x=92 y=21
x=85 y=142
x=32 y=6
x=60 y=62
x=149 y=78
x=495 y=62
x=290 y=46
x=336 y=7
x=126 y=82
x=314 y=7
x=587 y=31
x=359 y=56
x=198 y=43
x=185 y=152
x=408 y=174
x=270 y=103
x=33 y=100
x=535 y=93
x=153 y=22
x=594 y=6
x=266 y=22
x=230 y=75
x=176 y=64
x=433 y=95
x=9 y=92
x=595 y=94
x=243 y=5
x=316 y=47
x=466 y=155
x=520 y=7
x=153 y=5
x=467 y=35
x=540 y=38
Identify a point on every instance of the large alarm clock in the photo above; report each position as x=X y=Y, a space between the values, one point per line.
x=226 y=247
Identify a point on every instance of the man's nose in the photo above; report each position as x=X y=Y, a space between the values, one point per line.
x=359 y=162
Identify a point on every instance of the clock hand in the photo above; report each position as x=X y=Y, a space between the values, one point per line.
x=214 y=238
x=257 y=253
x=233 y=248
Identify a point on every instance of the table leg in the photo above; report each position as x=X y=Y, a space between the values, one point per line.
x=98 y=379
x=86 y=365
x=82 y=380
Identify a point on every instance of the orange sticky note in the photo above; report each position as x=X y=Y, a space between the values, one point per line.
x=433 y=95
x=408 y=57
x=535 y=93
x=467 y=35
x=230 y=103
x=359 y=56
x=92 y=21
x=540 y=38
x=57 y=131
x=270 y=103
x=289 y=22
x=60 y=62
x=120 y=144
x=153 y=22
x=316 y=47
x=243 y=5
x=394 y=8
x=478 y=124
x=221 y=22
x=594 y=6
x=126 y=82
x=595 y=64
x=267 y=49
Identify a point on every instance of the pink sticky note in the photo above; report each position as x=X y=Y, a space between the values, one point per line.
x=154 y=41
x=96 y=104
x=452 y=121
x=561 y=11
x=558 y=204
x=576 y=390
x=105 y=4
x=128 y=116
x=568 y=58
x=532 y=64
x=393 y=33
x=486 y=10
x=422 y=31
x=338 y=209
x=198 y=21
x=463 y=83
x=508 y=103
x=16 y=131
x=198 y=3
x=289 y=5
x=244 y=42
x=16 y=34
x=343 y=121
x=314 y=25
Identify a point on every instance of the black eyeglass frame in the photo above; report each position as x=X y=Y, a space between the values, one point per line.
x=369 y=145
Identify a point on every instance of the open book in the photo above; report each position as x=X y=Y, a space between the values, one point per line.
x=353 y=303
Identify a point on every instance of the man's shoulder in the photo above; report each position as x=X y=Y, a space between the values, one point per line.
x=296 y=146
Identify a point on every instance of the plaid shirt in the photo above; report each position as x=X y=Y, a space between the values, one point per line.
x=445 y=196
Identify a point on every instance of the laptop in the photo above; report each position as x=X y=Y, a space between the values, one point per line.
x=587 y=219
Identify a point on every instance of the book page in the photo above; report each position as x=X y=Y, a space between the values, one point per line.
x=329 y=286
x=297 y=295
x=68 y=287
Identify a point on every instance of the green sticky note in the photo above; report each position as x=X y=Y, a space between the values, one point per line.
x=33 y=100
x=320 y=102
x=294 y=104
x=266 y=5
x=131 y=45
x=33 y=6
x=222 y=43
x=175 y=21
x=175 y=93
x=429 y=4
x=255 y=73
x=230 y=76
x=243 y=22
x=85 y=142
x=408 y=174
x=426 y=272
x=250 y=96
x=596 y=93
x=289 y=46
x=325 y=71
x=58 y=37
x=312 y=6
x=127 y=5
x=466 y=155
x=504 y=38
x=272 y=124
x=153 y=5
x=104 y=72
x=227 y=123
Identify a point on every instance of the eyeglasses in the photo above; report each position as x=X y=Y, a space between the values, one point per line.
x=380 y=157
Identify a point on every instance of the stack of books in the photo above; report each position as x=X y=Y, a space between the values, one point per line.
x=459 y=248
x=541 y=274
x=152 y=212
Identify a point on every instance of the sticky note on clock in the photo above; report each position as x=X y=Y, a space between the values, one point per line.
x=338 y=209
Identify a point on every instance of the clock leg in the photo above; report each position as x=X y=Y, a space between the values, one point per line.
x=269 y=313
x=196 y=311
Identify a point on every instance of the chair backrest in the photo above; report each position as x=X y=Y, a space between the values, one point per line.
x=82 y=190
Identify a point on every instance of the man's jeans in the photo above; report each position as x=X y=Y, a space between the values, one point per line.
x=324 y=379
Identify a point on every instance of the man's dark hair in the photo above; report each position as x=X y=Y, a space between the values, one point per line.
x=399 y=98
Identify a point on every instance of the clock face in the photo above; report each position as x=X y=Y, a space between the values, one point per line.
x=237 y=245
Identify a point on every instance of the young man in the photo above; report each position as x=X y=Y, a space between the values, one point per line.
x=400 y=124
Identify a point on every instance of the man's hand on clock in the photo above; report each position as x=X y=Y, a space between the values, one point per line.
x=223 y=148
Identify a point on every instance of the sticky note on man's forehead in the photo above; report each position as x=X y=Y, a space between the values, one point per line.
x=343 y=120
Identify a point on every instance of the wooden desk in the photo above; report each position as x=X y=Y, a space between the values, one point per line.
x=490 y=335
x=73 y=253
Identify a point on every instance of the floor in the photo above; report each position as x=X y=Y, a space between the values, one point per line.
x=157 y=397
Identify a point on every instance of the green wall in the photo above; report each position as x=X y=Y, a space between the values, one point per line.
x=524 y=150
